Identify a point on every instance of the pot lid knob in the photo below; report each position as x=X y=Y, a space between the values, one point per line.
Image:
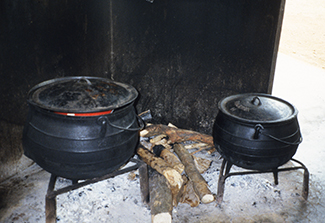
x=256 y=101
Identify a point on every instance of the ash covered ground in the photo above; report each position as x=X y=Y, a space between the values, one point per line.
x=247 y=198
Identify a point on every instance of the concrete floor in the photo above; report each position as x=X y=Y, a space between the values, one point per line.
x=247 y=198
x=303 y=85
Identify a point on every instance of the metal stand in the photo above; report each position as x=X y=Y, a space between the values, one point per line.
x=225 y=173
x=50 y=199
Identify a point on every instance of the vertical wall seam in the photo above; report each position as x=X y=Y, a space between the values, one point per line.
x=276 y=46
x=112 y=65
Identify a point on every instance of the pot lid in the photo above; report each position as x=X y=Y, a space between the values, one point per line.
x=257 y=108
x=81 y=94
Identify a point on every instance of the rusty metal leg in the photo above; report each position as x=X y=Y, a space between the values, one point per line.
x=221 y=183
x=228 y=166
x=305 y=189
x=276 y=176
x=225 y=173
x=50 y=202
x=50 y=199
x=222 y=179
x=144 y=182
x=74 y=181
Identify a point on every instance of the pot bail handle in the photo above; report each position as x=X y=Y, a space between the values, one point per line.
x=256 y=101
x=140 y=121
x=259 y=128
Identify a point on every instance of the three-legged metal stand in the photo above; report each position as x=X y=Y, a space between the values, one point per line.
x=50 y=199
x=225 y=173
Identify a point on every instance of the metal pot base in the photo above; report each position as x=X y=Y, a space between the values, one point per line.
x=225 y=173
x=50 y=198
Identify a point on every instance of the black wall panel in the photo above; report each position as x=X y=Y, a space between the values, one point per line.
x=183 y=56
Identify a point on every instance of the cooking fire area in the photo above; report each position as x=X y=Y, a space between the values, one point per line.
x=152 y=111
x=162 y=196
x=85 y=129
x=174 y=170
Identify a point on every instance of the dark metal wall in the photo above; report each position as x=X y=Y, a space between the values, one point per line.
x=184 y=55
x=41 y=40
x=181 y=55
x=44 y=39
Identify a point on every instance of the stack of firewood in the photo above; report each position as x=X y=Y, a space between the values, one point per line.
x=175 y=172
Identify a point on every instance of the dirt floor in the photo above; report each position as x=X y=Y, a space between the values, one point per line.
x=303 y=31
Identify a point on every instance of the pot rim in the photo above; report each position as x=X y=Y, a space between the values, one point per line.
x=133 y=94
x=222 y=102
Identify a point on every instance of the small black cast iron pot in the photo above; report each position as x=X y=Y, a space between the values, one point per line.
x=256 y=131
x=81 y=127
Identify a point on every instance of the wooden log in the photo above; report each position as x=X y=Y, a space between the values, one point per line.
x=173 y=177
x=169 y=157
x=201 y=164
x=188 y=195
x=161 y=140
x=145 y=116
x=146 y=145
x=172 y=125
x=210 y=151
x=144 y=133
x=144 y=183
x=178 y=135
x=200 y=185
x=160 y=198
x=158 y=138
x=172 y=160
x=196 y=146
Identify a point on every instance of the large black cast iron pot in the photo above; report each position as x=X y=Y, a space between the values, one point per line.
x=81 y=127
x=256 y=131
